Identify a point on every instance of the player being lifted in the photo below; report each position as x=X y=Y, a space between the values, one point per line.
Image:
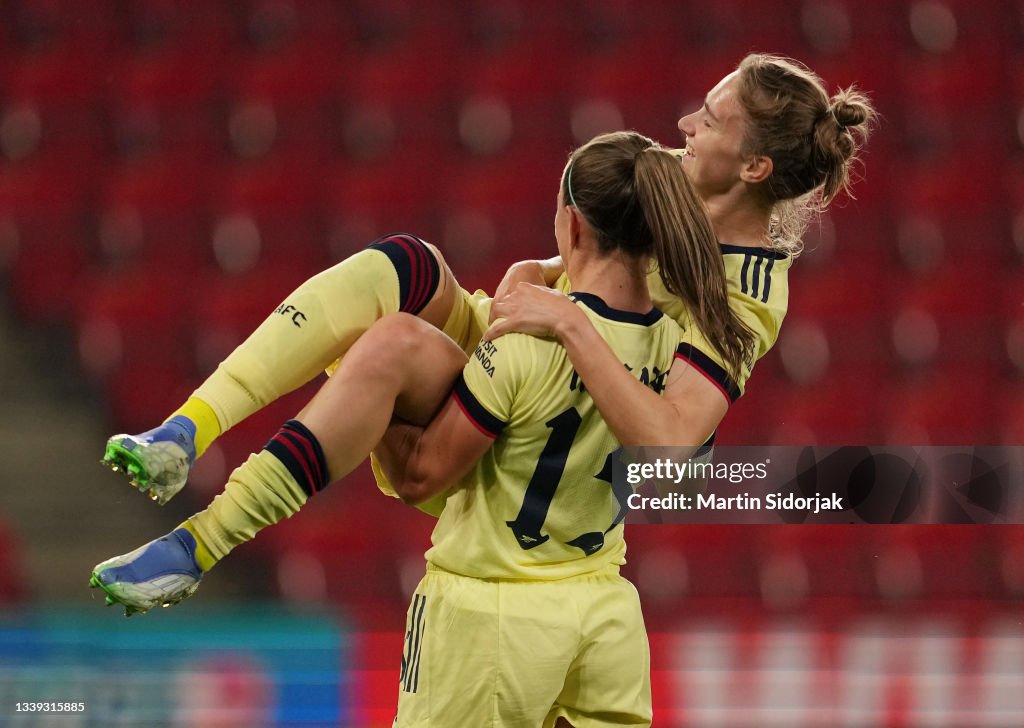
x=768 y=148
x=388 y=373
x=525 y=562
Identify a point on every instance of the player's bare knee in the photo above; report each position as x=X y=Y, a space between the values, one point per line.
x=396 y=338
x=386 y=350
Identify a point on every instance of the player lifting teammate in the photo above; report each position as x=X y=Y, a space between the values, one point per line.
x=767 y=148
x=529 y=523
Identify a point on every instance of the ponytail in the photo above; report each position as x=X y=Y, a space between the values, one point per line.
x=689 y=260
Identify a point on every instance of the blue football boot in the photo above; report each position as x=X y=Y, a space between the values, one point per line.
x=157 y=461
x=159 y=574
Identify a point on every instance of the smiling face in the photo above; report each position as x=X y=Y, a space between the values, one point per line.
x=714 y=140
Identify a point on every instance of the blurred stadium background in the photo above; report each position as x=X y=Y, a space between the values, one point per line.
x=169 y=170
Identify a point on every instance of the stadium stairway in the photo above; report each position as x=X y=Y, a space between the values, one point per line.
x=63 y=510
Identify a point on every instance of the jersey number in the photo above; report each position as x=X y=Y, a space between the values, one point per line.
x=544 y=482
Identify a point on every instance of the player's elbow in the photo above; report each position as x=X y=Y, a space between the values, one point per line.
x=417 y=485
x=412 y=493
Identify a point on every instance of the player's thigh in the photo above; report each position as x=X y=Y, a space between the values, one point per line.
x=430 y=362
x=460 y=314
x=402 y=363
x=439 y=308
x=609 y=682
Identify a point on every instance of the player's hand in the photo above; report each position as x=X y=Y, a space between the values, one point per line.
x=525 y=271
x=530 y=309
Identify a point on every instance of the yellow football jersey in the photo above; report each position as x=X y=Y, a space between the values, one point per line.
x=758 y=284
x=540 y=503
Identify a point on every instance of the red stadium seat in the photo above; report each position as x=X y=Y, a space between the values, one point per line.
x=133 y=341
x=836 y=288
x=674 y=562
x=831 y=558
x=89 y=26
x=167 y=99
x=727 y=26
x=226 y=309
x=269 y=24
x=285 y=94
x=149 y=321
x=960 y=302
x=747 y=420
x=1011 y=411
x=946 y=406
x=359 y=561
x=65 y=88
x=640 y=79
x=166 y=26
x=142 y=394
x=12 y=581
x=43 y=204
x=530 y=93
x=1008 y=544
x=500 y=211
x=842 y=408
x=363 y=201
x=384 y=109
x=154 y=211
x=935 y=87
x=932 y=561
x=276 y=200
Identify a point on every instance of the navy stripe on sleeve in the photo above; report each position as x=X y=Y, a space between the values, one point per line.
x=767 y=280
x=710 y=369
x=477 y=414
x=418 y=271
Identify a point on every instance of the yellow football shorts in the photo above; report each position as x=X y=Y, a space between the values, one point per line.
x=468 y=320
x=482 y=652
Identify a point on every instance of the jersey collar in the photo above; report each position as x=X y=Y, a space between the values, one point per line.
x=602 y=309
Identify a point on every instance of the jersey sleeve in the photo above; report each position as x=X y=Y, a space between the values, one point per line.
x=693 y=351
x=489 y=384
x=758 y=284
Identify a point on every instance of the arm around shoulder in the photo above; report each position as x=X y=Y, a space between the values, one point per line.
x=685 y=414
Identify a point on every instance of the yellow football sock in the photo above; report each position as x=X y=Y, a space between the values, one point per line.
x=203 y=556
x=259 y=493
x=203 y=417
x=318 y=322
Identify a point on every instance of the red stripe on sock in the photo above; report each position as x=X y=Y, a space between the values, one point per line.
x=301 y=460
x=310 y=453
x=419 y=284
x=423 y=280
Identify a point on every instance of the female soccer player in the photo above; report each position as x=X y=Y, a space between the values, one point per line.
x=767 y=149
x=523 y=617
